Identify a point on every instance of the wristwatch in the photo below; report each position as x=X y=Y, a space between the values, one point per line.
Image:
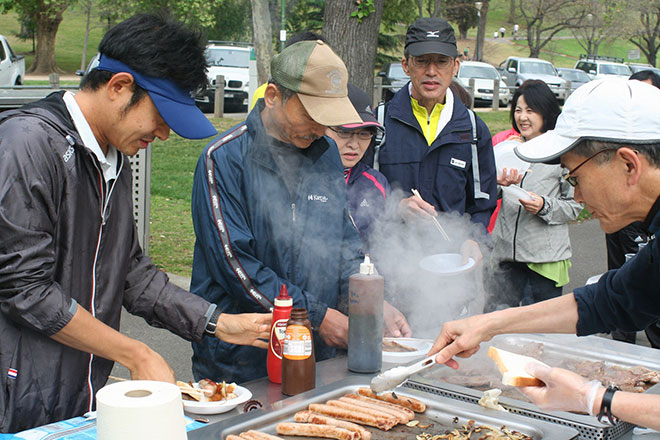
x=213 y=321
x=605 y=414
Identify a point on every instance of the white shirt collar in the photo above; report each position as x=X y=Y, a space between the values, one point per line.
x=108 y=162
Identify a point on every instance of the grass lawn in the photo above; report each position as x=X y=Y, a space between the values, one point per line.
x=172 y=166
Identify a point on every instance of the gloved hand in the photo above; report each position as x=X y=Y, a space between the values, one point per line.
x=563 y=390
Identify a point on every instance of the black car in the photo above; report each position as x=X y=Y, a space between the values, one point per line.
x=393 y=79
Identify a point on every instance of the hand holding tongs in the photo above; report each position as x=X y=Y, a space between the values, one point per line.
x=392 y=378
x=435 y=220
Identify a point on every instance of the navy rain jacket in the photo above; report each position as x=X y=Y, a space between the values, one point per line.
x=253 y=236
x=444 y=172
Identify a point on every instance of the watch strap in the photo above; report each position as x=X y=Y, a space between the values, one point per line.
x=605 y=413
x=213 y=321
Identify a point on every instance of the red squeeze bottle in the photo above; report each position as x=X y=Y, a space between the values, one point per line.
x=281 y=312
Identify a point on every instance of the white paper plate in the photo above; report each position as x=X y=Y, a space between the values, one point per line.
x=505 y=157
x=219 y=407
x=422 y=347
x=516 y=193
x=445 y=264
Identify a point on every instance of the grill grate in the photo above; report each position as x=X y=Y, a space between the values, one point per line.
x=586 y=432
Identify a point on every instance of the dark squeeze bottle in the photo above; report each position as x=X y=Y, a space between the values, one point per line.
x=365 y=319
x=298 y=362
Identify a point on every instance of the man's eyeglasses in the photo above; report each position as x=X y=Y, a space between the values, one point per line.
x=572 y=180
x=364 y=135
x=440 y=62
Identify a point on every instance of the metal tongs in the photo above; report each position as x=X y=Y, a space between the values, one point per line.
x=392 y=378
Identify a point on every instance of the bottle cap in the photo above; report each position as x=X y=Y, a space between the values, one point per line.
x=367 y=267
x=284 y=300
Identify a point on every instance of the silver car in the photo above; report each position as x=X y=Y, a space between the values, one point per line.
x=484 y=76
x=575 y=76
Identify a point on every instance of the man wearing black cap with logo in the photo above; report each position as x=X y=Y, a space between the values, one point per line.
x=433 y=143
x=69 y=255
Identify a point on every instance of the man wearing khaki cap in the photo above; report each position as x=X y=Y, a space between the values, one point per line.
x=269 y=207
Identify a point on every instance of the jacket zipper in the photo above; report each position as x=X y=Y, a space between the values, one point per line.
x=105 y=200
x=515 y=232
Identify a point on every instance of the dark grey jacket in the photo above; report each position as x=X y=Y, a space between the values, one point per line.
x=58 y=249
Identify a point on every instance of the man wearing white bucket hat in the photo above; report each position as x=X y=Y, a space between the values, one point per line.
x=608 y=138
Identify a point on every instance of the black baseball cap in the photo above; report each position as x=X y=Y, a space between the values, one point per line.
x=362 y=104
x=431 y=35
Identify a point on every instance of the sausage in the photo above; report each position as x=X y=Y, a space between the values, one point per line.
x=401 y=416
x=409 y=402
x=262 y=435
x=384 y=423
x=408 y=412
x=312 y=430
x=233 y=437
x=310 y=417
x=361 y=409
x=250 y=435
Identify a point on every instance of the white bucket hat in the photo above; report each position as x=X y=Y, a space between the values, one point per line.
x=611 y=109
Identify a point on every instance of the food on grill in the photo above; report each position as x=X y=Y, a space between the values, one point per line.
x=393 y=346
x=634 y=379
x=486 y=431
x=408 y=412
x=405 y=401
x=363 y=418
x=512 y=367
x=491 y=399
x=314 y=430
x=207 y=391
x=252 y=435
x=374 y=412
x=399 y=415
x=318 y=419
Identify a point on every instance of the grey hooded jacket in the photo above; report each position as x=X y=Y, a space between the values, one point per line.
x=542 y=238
x=66 y=242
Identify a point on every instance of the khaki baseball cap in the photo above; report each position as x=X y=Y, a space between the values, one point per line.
x=319 y=77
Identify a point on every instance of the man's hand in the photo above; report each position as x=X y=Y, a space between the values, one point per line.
x=334 y=329
x=533 y=206
x=149 y=365
x=470 y=249
x=244 y=329
x=564 y=390
x=459 y=338
x=414 y=207
x=396 y=325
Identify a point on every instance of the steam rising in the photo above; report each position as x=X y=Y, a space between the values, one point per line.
x=428 y=299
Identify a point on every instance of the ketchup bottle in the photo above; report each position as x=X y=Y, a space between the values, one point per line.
x=281 y=312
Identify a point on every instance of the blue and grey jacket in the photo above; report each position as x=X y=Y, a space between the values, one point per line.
x=253 y=236
x=444 y=173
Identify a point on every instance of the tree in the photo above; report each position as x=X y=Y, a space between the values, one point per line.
x=546 y=18
x=463 y=13
x=262 y=37
x=603 y=22
x=354 y=40
x=481 y=31
x=647 y=35
x=47 y=16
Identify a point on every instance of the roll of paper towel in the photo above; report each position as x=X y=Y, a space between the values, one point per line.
x=138 y=410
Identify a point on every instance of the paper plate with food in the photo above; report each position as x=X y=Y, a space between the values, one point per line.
x=404 y=350
x=209 y=397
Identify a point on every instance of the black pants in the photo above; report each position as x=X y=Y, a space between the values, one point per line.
x=514 y=284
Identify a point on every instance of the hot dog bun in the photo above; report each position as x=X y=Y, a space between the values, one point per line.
x=512 y=367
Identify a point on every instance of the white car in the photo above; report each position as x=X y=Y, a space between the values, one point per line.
x=602 y=67
x=484 y=76
x=12 y=66
x=233 y=61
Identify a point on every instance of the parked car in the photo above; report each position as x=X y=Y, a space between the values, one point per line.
x=233 y=61
x=600 y=66
x=12 y=66
x=637 y=67
x=484 y=76
x=577 y=77
x=394 y=77
x=516 y=70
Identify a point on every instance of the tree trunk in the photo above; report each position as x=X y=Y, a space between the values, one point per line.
x=354 y=42
x=88 y=10
x=481 y=31
x=47 y=21
x=512 y=12
x=262 y=38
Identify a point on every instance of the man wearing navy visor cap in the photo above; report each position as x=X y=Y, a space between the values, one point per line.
x=69 y=254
